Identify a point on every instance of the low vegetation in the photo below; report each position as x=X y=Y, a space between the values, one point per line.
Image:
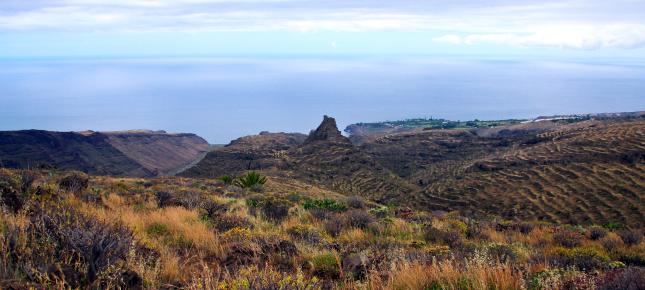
x=69 y=230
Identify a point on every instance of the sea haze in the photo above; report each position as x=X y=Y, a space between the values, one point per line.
x=224 y=98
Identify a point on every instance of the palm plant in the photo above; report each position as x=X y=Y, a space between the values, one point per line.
x=227 y=179
x=251 y=179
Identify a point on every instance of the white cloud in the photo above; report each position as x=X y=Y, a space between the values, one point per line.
x=576 y=24
x=565 y=36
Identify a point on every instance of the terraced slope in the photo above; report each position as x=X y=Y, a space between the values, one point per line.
x=591 y=172
x=345 y=168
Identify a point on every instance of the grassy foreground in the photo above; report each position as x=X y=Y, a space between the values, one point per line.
x=68 y=230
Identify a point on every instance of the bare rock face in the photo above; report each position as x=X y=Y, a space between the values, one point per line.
x=327 y=131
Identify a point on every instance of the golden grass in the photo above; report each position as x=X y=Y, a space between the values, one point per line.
x=450 y=275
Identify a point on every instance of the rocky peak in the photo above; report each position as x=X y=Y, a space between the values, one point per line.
x=327 y=131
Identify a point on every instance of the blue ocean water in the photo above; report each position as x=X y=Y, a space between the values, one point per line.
x=224 y=98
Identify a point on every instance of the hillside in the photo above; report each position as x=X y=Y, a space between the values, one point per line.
x=66 y=151
x=159 y=152
x=128 y=153
x=325 y=158
x=255 y=152
x=588 y=172
x=582 y=170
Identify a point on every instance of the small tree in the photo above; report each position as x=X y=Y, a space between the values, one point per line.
x=251 y=179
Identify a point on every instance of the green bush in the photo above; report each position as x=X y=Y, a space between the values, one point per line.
x=327 y=204
x=250 y=180
x=157 y=229
x=273 y=208
x=585 y=258
x=326 y=266
x=612 y=226
x=227 y=179
x=381 y=212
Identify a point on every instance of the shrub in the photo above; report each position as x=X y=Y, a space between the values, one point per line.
x=84 y=249
x=357 y=218
x=452 y=237
x=305 y=233
x=581 y=258
x=597 y=233
x=623 y=279
x=334 y=226
x=165 y=199
x=227 y=222
x=326 y=266
x=631 y=257
x=503 y=252
x=27 y=178
x=356 y=202
x=9 y=187
x=525 y=227
x=560 y=279
x=326 y=204
x=157 y=229
x=612 y=226
x=74 y=181
x=630 y=237
x=567 y=238
x=381 y=212
x=190 y=200
x=214 y=209
x=476 y=231
x=227 y=179
x=294 y=197
x=250 y=180
x=611 y=242
x=276 y=209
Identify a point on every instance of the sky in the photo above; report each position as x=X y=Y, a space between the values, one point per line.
x=567 y=29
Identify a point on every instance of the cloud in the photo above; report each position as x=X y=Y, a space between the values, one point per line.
x=566 y=36
x=574 y=24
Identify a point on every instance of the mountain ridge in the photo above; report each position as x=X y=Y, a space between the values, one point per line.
x=123 y=153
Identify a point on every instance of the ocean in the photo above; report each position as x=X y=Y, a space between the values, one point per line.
x=227 y=97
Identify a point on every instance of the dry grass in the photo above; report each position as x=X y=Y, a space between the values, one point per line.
x=185 y=248
x=451 y=275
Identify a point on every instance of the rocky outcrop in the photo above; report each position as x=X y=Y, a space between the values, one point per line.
x=328 y=132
